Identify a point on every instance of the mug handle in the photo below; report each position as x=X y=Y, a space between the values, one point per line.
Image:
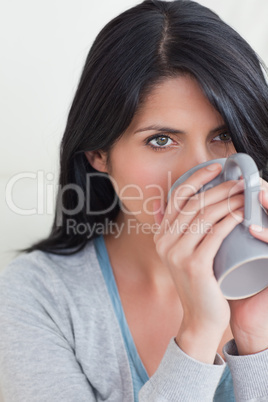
x=234 y=165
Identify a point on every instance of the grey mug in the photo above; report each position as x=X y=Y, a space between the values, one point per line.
x=241 y=263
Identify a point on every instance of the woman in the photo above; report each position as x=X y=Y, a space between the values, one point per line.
x=115 y=304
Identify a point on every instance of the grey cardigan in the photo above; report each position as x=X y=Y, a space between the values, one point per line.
x=60 y=341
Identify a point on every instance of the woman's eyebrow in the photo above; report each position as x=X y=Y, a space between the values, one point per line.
x=175 y=131
x=219 y=128
x=161 y=129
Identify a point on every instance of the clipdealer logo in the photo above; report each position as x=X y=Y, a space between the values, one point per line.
x=49 y=198
x=133 y=226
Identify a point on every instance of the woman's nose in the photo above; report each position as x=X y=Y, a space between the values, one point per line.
x=196 y=157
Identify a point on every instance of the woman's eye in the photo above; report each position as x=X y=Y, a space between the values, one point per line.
x=223 y=137
x=159 y=142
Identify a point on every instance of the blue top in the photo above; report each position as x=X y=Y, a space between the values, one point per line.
x=224 y=391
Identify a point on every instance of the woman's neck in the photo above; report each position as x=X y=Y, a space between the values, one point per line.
x=133 y=253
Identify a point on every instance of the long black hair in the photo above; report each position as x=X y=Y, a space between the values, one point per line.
x=137 y=49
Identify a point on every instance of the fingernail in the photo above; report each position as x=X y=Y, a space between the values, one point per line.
x=256 y=228
x=265 y=194
x=240 y=185
x=213 y=166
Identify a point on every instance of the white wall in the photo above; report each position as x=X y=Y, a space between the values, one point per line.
x=43 y=48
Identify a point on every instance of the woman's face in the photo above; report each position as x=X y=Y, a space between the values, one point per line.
x=175 y=130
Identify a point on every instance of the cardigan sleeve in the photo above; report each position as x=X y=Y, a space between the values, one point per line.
x=249 y=373
x=181 y=378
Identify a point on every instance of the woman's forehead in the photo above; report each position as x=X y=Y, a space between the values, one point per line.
x=174 y=96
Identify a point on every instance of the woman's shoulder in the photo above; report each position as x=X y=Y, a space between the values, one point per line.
x=41 y=270
x=57 y=303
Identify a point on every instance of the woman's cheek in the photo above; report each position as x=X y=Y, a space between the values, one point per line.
x=140 y=191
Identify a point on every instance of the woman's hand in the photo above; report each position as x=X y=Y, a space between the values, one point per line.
x=191 y=232
x=249 y=317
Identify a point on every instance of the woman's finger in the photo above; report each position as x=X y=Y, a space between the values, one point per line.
x=157 y=210
x=211 y=243
x=192 y=232
x=264 y=184
x=257 y=231
x=226 y=192
x=180 y=196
